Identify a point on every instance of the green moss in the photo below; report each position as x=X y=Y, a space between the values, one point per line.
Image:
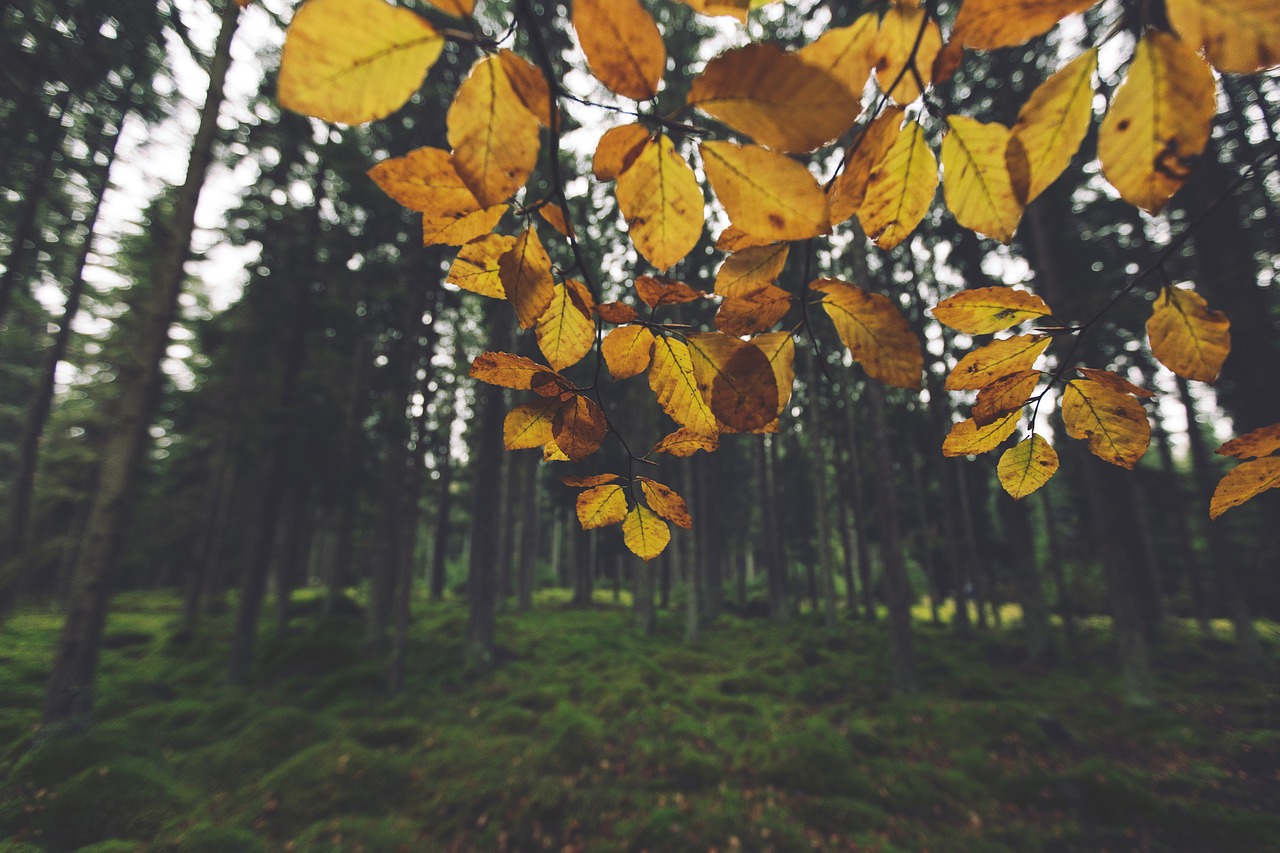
x=572 y=736
x=816 y=759
x=381 y=733
x=111 y=847
x=126 y=798
x=360 y=835
x=269 y=738
x=58 y=759
x=209 y=838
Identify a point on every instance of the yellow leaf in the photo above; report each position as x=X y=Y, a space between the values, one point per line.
x=967 y=438
x=529 y=424
x=748 y=270
x=589 y=480
x=450 y=230
x=984 y=310
x=628 y=350
x=1004 y=395
x=476 y=266
x=554 y=216
x=765 y=193
x=753 y=311
x=1026 y=466
x=780 y=349
x=975 y=178
x=529 y=85
x=644 y=534
x=352 y=61
x=1245 y=481
x=457 y=8
x=665 y=502
x=1158 y=122
x=736 y=379
x=998 y=358
x=989 y=24
x=775 y=97
x=508 y=371
x=846 y=53
x=1186 y=336
x=727 y=8
x=1260 y=442
x=566 y=331
x=579 y=427
x=622 y=45
x=864 y=155
x=525 y=270
x=875 y=331
x=1051 y=125
x=685 y=442
x=617 y=149
x=900 y=189
x=1115 y=424
x=426 y=181
x=673 y=382
x=493 y=134
x=734 y=239
x=551 y=453
x=1114 y=381
x=662 y=203
x=898 y=34
x=1238 y=36
x=601 y=506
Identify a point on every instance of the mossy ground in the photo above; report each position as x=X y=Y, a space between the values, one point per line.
x=592 y=736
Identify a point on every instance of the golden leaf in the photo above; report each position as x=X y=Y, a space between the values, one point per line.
x=875 y=331
x=748 y=270
x=727 y=8
x=589 y=480
x=736 y=379
x=765 y=193
x=1186 y=336
x=1051 y=125
x=900 y=189
x=998 y=358
x=1245 y=481
x=426 y=181
x=1026 y=466
x=525 y=270
x=566 y=331
x=989 y=24
x=661 y=200
x=457 y=8
x=898 y=34
x=529 y=85
x=673 y=382
x=1114 y=381
x=665 y=502
x=554 y=216
x=1158 y=122
x=450 y=230
x=655 y=293
x=1260 y=442
x=780 y=349
x=617 y=149
x=1004 y=395
x=601 y=506
x=864 y=155
x=508 y=370
x=494 y=136
x=846 y=53
x=983 y=310
x=1238 y=36
x=775 y=97
x=529 y=424
x=352 y=61
x=579 y=427
x=1115 y=424
x=622 y=44
x=967 y=438
x=616 y=312
x=551 y=453
x=684 y=442
x=476 y=266
x=734 y=239
x=753 y=311
x=644 y=534
x=975 y=178
x=628 y=350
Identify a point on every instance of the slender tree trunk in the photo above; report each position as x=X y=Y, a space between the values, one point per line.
x=817 y=456
x=1035 y=613
x=774 y=569
x=440 y=539
x=1066 y=610
x=1175 y=496
x=859 y=507
x=70 y=692
x=925 y=535
x=531 y=514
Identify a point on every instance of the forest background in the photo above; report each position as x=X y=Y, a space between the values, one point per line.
x=310 y=432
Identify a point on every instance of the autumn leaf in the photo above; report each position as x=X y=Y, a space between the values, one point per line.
x=628 y=351
x=476 y=266
x=900 y=189
x=644 y=534
x=529 y=85
x=551 y=453
x=525 y=271
x=1158 y=122
x=622 y=44
x=529 y=424
x=864 y=155
x=1050 y=127
x=875 y=331
x=753 y=311
x=780 y=349
x=457 y=8
x=845 y=53
x=998 y=358
x=426 y=181
x=684 y=442
x=975 y=178
x=1260 y=442
x=493 y=134
x=1238 y=36
x=566 y=331
x=601 y=506
x=983 y=310
x=554 y=216
x=673 y=382
x=775 y=97
x=1004 y=395
x=1026 y=466
x=509 y=371
x=655 y=293
x=765 y=193
x=1115 y=424
x=1246 y=480
x=748 y=270
x=617 y=149
x=966 y=438
x=736 y=9
x=1114 y=381
x=1186 y=336
x=899 y=34
x=616 y=312
x=352 y=61
x=451 y=230
x=989 y=24
x=579 y=427
x=736 y=379
x=665 y=502
x=734 y=239
x=589 y=480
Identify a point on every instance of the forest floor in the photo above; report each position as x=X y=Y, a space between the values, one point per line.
x=592 y=736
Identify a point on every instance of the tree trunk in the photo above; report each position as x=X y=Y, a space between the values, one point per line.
x=817 y=456
x=532 y=512
x=774 y=570
x=70 y=692
x=1066 y=610
x=440 y=539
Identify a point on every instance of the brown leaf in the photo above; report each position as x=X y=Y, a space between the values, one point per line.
x=1261 y=442
x=589 y=480
x=509 y=371
x=618 y=149
x=753 y=311
x=1114 y=381
x=1243 y=482
x=736 y=379
x=655 y=293
x=616 y=312
x=664 y=501
x=1004 y=395
x=579 y=428
x=525 y=270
